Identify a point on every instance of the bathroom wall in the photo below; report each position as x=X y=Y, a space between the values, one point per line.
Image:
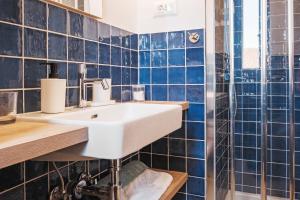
x=33 y=32
x=173 y=68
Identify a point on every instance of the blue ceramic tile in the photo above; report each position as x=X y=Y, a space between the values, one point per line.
x=134 y=76
x=116 y=75
x=177 y=147
x=16 y=193
x=176 y=92
x=125 y=39
x=159 y=41
x=177 y=57
x=148 y=92
x=37 y=188
x=176 y=75
x=91 y=52
x=12 y=11
x=73 y=94
x=116 y=56
x=144 y=57
x=35 y=14
x=177 y=164
x=134 y=59
x=11 y=176
x=57 y=47
x=192 y=34
x=90 y=28
x=91 y=71
x=195 y=130
x=196 y=167
x=179 y=196
x=144 y=76
x=116 y=93
x=160 y=162
x=195 y=75
x=160 y=146
x=159 y=75
x=35 y=43
x=194 y=56
x=196 y=112
x=73 y=72
x=159 y=58
x=195 y=149
x=176 y=39
x=33 y=73
x=76 y=49
x=179 y=133
x=159 y=92
x=126 y=57
x=62 y=70
x=57 y=19
x=195 y=93
x=116 y=38
x=144 y=42
x=125 y=76
x=11 y=73
x=35 y=169
x=11 y=40
x=104 y=71
x=134 y=42
x=126 y=93
x=146 y=158
x=75 y=25
x=104 y=33
x=32 y=100
x=104 y=54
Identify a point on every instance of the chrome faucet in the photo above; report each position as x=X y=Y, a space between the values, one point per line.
x=84 y=82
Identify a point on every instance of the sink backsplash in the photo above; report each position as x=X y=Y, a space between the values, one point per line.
x=42 y=32
x=33 y=32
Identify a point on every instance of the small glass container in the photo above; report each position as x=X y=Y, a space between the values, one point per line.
x=138 y=92
x=8 y=107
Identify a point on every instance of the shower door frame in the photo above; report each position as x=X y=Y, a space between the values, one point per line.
x=264 y=62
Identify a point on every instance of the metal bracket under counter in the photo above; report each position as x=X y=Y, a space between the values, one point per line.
x=23 y=140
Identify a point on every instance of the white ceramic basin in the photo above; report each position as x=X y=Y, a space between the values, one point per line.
x=115 y=131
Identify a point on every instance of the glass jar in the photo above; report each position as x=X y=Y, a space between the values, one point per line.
x=8 y=107
x=138 y=92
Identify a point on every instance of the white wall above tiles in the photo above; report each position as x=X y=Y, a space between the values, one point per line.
x=139 y=15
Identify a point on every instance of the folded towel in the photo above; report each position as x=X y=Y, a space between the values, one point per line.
x=150 y=185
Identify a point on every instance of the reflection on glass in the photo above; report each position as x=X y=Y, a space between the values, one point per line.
x=250 y=34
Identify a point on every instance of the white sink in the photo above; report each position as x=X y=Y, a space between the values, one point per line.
x=115 y=131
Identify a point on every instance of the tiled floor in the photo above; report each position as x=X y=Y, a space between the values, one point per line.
x=247 y=196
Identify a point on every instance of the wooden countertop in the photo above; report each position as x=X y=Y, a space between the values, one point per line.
x=184 y=104
x=26 y=140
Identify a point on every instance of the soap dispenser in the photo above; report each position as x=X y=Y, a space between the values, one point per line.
x=53 y=91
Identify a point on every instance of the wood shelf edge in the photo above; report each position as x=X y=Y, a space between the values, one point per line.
x=179 y=179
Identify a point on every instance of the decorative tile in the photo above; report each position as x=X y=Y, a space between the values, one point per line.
x=57 y=19
x=195 y=35
x=90 y=28
x=11 y=40
x=91 y=52
x=159 y=75
x=75 y=24
x=144 y=42
x=12 y=76
x=159 y=41
x=57 y=47
x=35 y=14
x=104 y=54
x=75 y=48
x=116 y=56
x=12 y=12
x=159 y=58
x=35 y=43
x=177 y=57
x=33 y=73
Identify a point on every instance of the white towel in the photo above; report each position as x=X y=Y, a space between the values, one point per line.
x=150 y=185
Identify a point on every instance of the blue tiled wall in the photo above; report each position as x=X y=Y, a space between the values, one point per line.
x=32 y=32
x=172 y=68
